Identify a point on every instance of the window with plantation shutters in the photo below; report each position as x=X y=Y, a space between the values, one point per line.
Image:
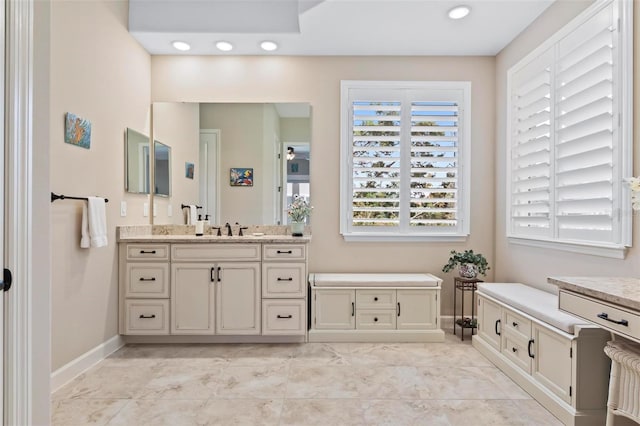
x=402 y=173
x=570 y=135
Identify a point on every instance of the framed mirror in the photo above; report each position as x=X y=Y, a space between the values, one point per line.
x=162 y=169
x=137 y=162
x=220 y=138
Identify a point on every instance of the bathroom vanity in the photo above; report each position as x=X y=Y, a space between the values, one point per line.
x=183 y=285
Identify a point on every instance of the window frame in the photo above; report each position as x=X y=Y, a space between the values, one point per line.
x=622 y=97
x=346 y=163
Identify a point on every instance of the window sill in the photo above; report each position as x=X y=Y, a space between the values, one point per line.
x=394 y=238
x=611 y=251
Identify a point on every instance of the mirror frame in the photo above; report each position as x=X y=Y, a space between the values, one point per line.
x=157 y=145
x=129 y=161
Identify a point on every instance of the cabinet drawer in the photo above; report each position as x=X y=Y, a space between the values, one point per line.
x=147 y=251
x=147 y=317
x=375 y=319
x=214 y=252
x=376 y=299
x=514 y=348
x=147 y=280
x=608 y=316
x=284 y=280
x=284 y=252
x=517 y=324
x=288 y=317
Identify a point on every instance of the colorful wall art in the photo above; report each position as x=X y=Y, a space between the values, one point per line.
x=241 y=177
x=77 y=131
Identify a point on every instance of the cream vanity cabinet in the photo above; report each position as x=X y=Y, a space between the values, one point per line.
x=375 y=307
x=215 y=289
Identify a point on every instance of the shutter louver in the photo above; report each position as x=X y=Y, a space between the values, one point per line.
x=434 y=164
x=531 y=149
x=376 y=164
x=585 y=126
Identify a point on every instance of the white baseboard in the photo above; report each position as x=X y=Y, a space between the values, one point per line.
x=73 y=369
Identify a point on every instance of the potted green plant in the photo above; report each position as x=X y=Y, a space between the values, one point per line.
x=469 y=264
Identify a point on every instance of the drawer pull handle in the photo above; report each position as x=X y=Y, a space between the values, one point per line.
x=284 y=252
x=147 y=316
x=529 y=349
x=514 y=350
x=147 y=252
x=219 y=274
x=605 y=317
x=375 y=299
x=375 y=319
x=496 y=327
x=398 y=308
x=353 y=309
x=285 y=316
x=213 y=275
x=147 y=279
x=285 y=279
x=515 y=324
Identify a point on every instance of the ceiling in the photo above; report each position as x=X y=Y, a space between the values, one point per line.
x=331 y=27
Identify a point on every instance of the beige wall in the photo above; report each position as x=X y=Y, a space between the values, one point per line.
x=317 y=80
x=100 y=73
x=534 y=265
x=295 y=129
x=178 y=126
x=243 y=127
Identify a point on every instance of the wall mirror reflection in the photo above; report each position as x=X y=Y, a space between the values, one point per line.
x=273 y=139
x=137 y=162
x=162 y=169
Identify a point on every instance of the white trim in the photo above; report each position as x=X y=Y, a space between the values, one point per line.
x=614 y=252
x=74 y=368
x=392 y=238
x=216 y=213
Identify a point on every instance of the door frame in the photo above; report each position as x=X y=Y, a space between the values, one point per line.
x=216 y=212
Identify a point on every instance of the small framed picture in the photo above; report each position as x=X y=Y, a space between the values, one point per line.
x=188 y=170
x=77 y=131
x=241 y=176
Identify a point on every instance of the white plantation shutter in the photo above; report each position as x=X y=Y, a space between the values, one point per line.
x=531 y=148
x=566 y=132
x=402 y=147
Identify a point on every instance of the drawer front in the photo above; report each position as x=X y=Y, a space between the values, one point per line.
x=147 y=251
x=517 y=324
x=515 y=348
x=606 y=315
x=283 y=280
x=284 y=317
x=147 y=280
x=284 y=252
x=147 y=316
x=375 y=319
x=376 y=299
x=214 y=252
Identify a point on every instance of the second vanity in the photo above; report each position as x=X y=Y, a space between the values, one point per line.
x=183 y=285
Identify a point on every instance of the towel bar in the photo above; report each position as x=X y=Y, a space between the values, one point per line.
x=55 y=196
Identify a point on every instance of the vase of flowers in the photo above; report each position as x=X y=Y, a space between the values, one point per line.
x=469 y=264
x=298 y=212
x=634 y=185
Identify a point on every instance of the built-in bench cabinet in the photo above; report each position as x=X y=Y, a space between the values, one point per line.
x=213 y=289
x=375 y=307
x=565 y=370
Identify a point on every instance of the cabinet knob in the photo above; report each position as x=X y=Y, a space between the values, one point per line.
x=375 y=319
x=515 y=324
x=514 y=349
x=375 y=299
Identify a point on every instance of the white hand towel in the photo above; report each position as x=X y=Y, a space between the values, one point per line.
x=193 y=215
x=97 y=222
x=85 y=240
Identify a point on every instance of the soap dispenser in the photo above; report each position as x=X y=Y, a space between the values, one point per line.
x=199 y=226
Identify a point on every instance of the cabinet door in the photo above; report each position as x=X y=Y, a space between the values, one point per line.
x=489 y=322
x=335 y=309
x=552 y=361
x=416 y=309
x=238 y=308
x=192 y=298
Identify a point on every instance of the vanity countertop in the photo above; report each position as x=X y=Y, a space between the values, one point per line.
x=623 y=291
x=277 y=239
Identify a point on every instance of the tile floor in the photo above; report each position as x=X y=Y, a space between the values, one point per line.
x=435 y=384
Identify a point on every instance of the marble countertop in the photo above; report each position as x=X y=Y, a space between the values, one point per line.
x=622 y=291
x=214 y=239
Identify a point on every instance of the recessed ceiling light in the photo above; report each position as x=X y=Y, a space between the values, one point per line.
x=269 y=46
x=459 y=12
x=225 y=46
x=181 y=45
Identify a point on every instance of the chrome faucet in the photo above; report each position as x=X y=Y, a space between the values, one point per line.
x=229 y=233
